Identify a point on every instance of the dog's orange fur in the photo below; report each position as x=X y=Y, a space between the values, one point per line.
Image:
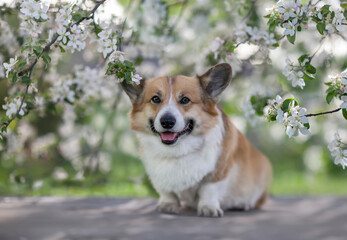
x=253 y=166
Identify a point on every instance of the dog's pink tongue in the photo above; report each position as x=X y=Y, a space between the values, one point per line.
x=168 y=136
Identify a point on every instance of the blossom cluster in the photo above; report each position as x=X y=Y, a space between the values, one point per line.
x=256 y=36
x=293 y=75
x=338 y=151
x=12 y=106
x=293 y=16
x=288 y=113
x=33 y=12
x=338 y=88
x=244 y=34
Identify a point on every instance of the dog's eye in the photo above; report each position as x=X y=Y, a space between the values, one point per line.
x=184 y=100
x=156 y=100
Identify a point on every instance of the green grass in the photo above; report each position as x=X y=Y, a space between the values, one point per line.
x=127 y=178
x=288 y=184
x=294 y=183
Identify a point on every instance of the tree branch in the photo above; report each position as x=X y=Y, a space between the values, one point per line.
x=46 y=49
x=322 y=113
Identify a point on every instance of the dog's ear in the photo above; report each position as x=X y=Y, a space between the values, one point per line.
x=133 y=90
x=215 y=80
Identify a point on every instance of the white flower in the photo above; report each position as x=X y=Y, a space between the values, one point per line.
x=76 y=39
x=8 y=66
x=290 y=27
x=286 y=8
x=105 y=34
x=13 y=107
x=117 y=56
x=297 y=79
x=336 y=150
x=344 y=104
x=30 y=8
x=43 y=11
x=280 y=116
x=39 y=101
x=62 y=90
x=64 y=16
x=336 y=23
x=105 y=47
x=63 y=34
x=136 y=78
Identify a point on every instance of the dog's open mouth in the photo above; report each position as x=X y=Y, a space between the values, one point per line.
x=168 y=137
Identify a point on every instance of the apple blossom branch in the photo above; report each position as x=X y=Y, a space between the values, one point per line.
x=31 y=67
x=322 y=113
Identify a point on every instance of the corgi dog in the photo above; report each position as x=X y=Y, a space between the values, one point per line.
x=192 y=153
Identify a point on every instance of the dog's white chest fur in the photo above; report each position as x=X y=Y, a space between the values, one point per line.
x=179 y=167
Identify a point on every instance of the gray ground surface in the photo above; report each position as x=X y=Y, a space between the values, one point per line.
x=58 y=218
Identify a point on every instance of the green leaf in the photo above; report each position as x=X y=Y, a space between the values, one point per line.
x=128 y=64
x=302 y=58
x=253 y=100
x=320 y=27
x=310 y=69
x=26 y=80
x=299 y=28
x=61 y=49
x=37 y=50
x=97 y=30
x=41 y=42
x=46 y=58
x=325 y=8
x=307 y=77
x=291 y=39
x=328 y=83
x=286 y=103
x=76 y=17
x=22 y=64
x=330 y=97
x=344 y=113
x=272 y=24
x=14 y=77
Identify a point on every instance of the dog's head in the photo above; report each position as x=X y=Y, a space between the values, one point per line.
x=174 y=107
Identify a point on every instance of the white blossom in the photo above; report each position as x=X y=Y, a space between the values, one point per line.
x=117 y=56
x=344 y=102
x=337 y=151
x=290 y=27
x=136 y=78
x=295 y=77
x=9 y=66
x=30 y=9
x=62 y=90
x=286 y=9
x=64 y=16
x=335 y=24
x=76 y=39
x=63 y=35
x=12 y=107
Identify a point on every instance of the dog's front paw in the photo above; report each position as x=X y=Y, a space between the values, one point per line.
x=210 y=211
x=168 y=207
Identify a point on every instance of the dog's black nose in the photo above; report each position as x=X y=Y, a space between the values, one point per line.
x=167 y=121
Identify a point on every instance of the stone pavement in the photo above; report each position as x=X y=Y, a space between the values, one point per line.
x=70 y=218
